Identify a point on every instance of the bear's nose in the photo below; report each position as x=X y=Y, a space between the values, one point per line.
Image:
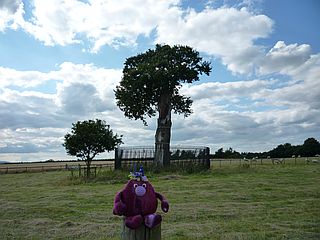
x=140 y=191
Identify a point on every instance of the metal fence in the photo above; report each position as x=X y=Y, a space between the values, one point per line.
x=179 y=155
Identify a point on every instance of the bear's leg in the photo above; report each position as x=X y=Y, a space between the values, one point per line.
x=134 y=222
x=152 y=220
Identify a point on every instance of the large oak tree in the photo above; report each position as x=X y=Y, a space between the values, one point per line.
x=150 y=84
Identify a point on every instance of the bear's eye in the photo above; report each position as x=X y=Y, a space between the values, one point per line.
x=144 y=185
x=135 y=185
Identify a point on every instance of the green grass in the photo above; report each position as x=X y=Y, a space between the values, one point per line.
x=232 y=202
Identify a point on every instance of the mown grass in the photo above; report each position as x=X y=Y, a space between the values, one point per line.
x=258 y=202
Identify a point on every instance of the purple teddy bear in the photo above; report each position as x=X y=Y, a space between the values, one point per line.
x=138 y=202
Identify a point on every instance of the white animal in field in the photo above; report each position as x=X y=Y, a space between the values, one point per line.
x=279 y=161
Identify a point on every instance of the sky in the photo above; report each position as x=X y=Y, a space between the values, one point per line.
x=60 y=61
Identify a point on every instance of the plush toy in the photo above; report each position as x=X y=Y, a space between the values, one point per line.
x=138 y=202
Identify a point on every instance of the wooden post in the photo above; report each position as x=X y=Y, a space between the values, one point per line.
x=141 y=233
x=117 y=158
x=79 y=170
x=207 y=157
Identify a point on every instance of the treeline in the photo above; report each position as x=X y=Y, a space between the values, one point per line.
x=310 y=148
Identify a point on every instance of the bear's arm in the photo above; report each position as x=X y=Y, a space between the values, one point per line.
x=119 y=206
x=164 y=202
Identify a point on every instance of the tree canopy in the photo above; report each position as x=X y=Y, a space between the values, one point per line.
x=89 y=138
x=150 y=75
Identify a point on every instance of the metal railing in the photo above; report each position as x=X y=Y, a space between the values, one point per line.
x=127 y=156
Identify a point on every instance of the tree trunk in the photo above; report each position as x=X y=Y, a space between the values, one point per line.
x=163 y=133
x=88 y=163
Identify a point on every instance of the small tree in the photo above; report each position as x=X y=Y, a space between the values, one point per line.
x=150 y=84
x=89 y=138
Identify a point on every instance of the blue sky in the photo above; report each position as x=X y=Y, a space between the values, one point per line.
x=60 y=61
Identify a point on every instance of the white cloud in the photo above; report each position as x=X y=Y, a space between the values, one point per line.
x=102 y=22
x=227 y=33
x=11 y=14
x=262 y=112
x=284 y=58
x=84 y=91
x=81 y=99
x=12 y=77
x=81 y=89
x=226 y=91
x=10 y=5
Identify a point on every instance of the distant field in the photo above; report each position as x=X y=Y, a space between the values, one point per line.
x=61 y=165
x=232 y=202
x=48 y=166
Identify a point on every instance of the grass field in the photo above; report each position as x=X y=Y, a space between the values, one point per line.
x=232 y=202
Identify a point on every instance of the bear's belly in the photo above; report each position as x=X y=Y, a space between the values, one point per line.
x=144 y=206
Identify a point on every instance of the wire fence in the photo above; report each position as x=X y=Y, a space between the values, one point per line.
x=220 y=162
x=181 y=157
x=54 y=166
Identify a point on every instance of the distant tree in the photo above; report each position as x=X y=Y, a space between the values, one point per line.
x=89 y=138
x=150 y=84
x=229 y=153
x=219 y=153
x=176 y=155
x=282 y=150
x=310 y=148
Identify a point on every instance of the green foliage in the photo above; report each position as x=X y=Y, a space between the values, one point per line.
x=176 y=167
x=310 y=148
x=89 y=138
x=229 y=153
x=150 y=75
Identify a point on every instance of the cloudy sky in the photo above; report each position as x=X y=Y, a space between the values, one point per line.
x=60 y=61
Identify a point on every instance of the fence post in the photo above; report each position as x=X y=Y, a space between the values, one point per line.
x=207 y=157
x=117 y=159
x=142 y=233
